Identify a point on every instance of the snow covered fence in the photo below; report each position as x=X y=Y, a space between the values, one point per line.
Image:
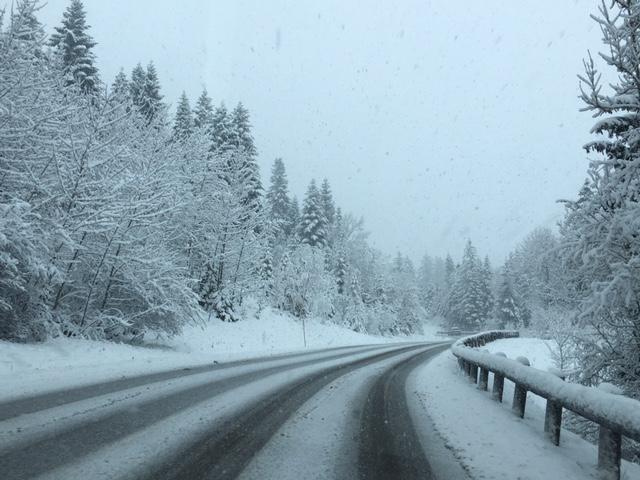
x=616 y=415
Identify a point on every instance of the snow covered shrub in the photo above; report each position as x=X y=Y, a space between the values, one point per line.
x=301 y=284
x=24 y=272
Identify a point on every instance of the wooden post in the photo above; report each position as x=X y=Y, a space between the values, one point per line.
x=461 y=363
x=553 y=414
x=498 y=387
x=519 y=400
x=553 y=421
x=484 y=379
x=473 y=376
x=520 y=393
x=498 y=383
x=609 y=454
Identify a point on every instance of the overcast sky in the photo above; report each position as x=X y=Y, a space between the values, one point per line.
x=437 y=121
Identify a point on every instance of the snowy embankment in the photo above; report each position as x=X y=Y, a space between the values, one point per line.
x=491 y=441
x=64 y=363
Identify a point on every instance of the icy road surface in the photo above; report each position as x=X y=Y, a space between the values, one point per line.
x=342 y=413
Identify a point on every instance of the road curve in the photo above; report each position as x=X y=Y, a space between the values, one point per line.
x=241 y=406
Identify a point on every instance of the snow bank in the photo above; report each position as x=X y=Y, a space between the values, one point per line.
x=63 y=363
x=492 y=442
x=537 y=351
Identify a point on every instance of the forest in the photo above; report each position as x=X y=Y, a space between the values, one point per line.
x=124 y=214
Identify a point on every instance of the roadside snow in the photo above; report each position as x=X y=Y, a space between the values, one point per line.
x=63 y=363
x=489 y=439
x=537 y=350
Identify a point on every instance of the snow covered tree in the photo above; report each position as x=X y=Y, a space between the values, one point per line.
x=328 y=206
x=183 y=123
x=137 y=85
x=510 y=313
x=313 y=224
x=278 y=199
x=241 y=125
x=120 y=89
x=203 y=111
x=602 y=243
x=222 y=131
x=467 y=305
x=150 y=101
x=74 y=44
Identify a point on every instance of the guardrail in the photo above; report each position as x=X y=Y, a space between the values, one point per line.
x=616 y=415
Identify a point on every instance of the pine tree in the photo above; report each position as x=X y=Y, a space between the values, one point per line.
x=25 y=26
x=328 y=206
x=137 y=85
x=242 y=140
x=467 y=302
x=75 y=44
x=507 y=311
x=203 y=111
x=222 y=131
x=120 y=89
x=294 y=215
x=151 y=100
x=242 y=130
x=313 y=224
x=183 y=124
x=278 y=198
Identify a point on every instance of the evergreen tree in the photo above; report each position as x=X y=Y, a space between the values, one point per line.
x=137 y=85
x=328 y=206
x=203 y=111
x=242 y=140
x=242 y=130
x=151 y=100
x=120 y=89
x=222 y=131
x=25 y=26
x=449 y=271
x=313 y=224
x=507 y=311
x=467 y=302
x=294 y=215
x=278 y=198
x=183 y=124
x=74 y=43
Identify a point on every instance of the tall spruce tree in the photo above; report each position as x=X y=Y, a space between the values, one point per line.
x=313 y=224
x=151 y=100
x=183 y=124
x=203 y=111
x=136 y=85
x=222 y=131
x=278 y=198
x=242 y=130
x=73 y=42
x=120 y=88
x=328 y=206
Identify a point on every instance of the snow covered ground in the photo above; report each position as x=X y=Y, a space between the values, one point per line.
x=492 y=442
x=62 y=363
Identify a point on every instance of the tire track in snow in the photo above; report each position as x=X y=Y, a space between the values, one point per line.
x=66 y=446
x=224 y=453
x=389 y=445
x=25 y=405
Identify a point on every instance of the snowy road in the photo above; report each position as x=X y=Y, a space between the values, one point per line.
x=342 y=413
